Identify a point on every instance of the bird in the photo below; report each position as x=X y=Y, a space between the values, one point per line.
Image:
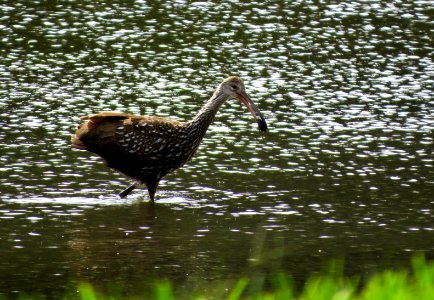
x=147 y=148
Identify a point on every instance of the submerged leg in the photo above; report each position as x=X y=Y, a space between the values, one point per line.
x=128 y=190
x=152 y=188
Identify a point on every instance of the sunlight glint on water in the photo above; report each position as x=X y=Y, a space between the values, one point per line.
x=345 y=170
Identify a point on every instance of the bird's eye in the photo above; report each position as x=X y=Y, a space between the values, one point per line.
x=234 y=87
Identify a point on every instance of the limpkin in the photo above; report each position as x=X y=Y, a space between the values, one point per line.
x=146 y=148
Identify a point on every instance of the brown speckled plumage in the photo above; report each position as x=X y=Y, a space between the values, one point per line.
x=147 y=148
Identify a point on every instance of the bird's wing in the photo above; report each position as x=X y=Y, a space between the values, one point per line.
x=146 y=136
x=97 y=131
x=126 y=134
x=106 y=116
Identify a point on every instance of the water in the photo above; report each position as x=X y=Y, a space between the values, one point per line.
x=345 y=170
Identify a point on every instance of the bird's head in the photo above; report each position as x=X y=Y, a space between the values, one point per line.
x=234 y=88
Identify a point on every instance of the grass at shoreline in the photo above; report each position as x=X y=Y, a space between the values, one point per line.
x=417 y=283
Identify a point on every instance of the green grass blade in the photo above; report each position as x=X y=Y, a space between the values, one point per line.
x=164 y=291
x=86 y=292
x=238 y=290
x=283 y=287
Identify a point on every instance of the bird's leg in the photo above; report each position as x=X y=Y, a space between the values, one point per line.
x=128 y=190
x=152 y=188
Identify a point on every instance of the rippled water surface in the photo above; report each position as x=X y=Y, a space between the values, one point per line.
x=345 y=170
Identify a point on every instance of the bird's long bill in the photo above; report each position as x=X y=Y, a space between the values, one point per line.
x=243 y=97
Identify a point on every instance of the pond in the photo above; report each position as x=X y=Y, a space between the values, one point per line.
x=346 y=169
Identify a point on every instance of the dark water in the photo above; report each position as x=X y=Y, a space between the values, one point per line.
x=346 y=169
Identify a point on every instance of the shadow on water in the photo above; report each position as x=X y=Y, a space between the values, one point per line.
x=105 y=240
x=71 y=238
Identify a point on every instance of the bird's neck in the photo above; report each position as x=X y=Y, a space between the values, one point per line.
x=205 y=116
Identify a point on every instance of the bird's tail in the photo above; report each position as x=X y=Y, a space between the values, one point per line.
x=76 y=141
